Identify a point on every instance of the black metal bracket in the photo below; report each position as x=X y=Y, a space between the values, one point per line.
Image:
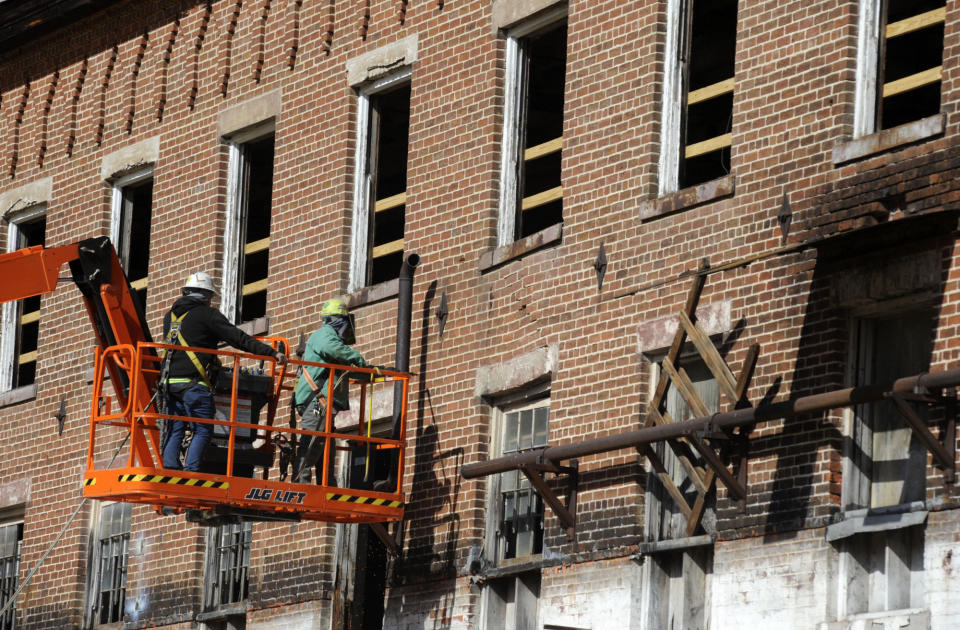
x=566 y=513
x=944 y=452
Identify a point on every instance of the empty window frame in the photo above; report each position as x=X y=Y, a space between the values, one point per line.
x=380 y=193
x=21 y=320
x=531 y=193
x=247 y=235
x=11 y=539
x=108 y=575
x=130 y=227
x=885 y=466
x=227 y=564
x=698 y=92
x=518 y=506
x=900 y=62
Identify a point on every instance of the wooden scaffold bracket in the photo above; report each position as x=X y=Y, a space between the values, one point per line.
x=567 y=514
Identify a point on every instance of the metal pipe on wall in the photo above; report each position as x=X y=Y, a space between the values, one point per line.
x=788 y=409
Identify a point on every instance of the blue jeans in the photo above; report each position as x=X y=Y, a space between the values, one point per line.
x=196 y=402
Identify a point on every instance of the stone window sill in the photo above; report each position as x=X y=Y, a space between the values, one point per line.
x=18 y=395
x=493 y=258
x=876 y=520
x=373 y=294
x=888 y=139
x=688 y=198
x=661 y=546
x=223 y=612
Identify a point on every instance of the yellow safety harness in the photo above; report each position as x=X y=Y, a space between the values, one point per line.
x=174 y=333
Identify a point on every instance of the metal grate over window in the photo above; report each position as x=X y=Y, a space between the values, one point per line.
x=113 y=541
x=11 y=538
x=521 y=523
x=232 y=560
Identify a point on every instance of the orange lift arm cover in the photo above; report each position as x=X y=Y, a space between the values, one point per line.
x=32 y=271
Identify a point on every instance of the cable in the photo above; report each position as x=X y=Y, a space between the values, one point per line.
x=13 y=598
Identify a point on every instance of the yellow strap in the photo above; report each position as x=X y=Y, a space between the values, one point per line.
x=366 y=467
x=175 y=328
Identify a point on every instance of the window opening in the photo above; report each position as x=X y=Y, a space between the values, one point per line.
x=911 y=61
x=708 y=58
x=520 y=527
x=385 y=116
x=533 y=136
x=133 y=209
x=113 y=540
x=245 y=283
x=676 y=588
x=11 y=540
x=228 y=564
x=22 y=318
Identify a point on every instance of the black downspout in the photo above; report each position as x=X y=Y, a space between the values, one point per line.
x=404 y=315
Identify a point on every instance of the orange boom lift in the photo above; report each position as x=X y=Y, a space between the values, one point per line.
x=235 y=480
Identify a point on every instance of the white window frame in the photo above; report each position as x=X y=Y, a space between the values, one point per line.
x=94 y=578
x=212 y=568
x=11 y=517
x=528 y=399
x=236 y=201
x=362 y=185
x=870 y=23
x=674 y=98
x=116 y=205
x=513 y=97
x=8 y=340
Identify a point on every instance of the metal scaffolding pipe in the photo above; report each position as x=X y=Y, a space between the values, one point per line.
x=788 y=409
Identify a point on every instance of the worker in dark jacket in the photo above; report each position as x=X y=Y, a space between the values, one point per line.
x=329 y=344
x=189 y=383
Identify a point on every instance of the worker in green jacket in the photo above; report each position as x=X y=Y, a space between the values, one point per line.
x=329 y=344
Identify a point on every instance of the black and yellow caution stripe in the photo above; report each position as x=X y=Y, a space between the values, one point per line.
x=177 y=481
x=89 y=482
x=347 y=498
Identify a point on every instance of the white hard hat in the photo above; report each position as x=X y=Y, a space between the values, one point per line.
x=200 y=280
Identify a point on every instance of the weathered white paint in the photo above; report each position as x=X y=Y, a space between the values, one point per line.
x=363 y=180
x=672 y=101
x=869 y=20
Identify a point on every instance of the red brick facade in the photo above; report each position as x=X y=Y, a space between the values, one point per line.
x=143 y=69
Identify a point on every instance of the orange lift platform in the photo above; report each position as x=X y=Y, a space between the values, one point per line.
x=235 y=480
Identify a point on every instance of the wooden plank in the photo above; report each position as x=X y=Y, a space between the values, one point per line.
x=690 y=306
x=665 y=478
x=711 y=357
x=141 y=284
x=540 y=150
x=684 y=455
x=567 y=518
x=686 y=389
x=388 y=248
x=27 y=357
x=916 y=22
x=708 y=146
x=256 y=246
x=29 y=318
x=254 y=287
x=543 y=198
x=711 y=91
x=388 y=203
x=912 y=82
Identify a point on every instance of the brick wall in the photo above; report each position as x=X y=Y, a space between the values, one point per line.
x=166 y=69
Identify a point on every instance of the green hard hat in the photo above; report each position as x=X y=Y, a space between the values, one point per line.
x=334 y=307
